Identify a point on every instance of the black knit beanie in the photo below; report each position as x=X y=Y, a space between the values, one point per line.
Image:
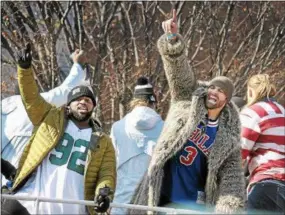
x=80 y=91
x=144 y=90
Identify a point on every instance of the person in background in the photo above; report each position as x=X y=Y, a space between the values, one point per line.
x=263 y=145
x=16 y=127
x=239 y=102
x=68 y=155
x=197 y=159
x=133 y=138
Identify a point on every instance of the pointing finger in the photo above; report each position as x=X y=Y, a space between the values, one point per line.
x=174 y=17
x=168 y=26
x=163 y=26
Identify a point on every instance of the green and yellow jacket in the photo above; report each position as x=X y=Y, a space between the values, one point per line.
x=49 y=126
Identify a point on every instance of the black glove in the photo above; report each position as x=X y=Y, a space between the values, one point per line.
x=24 y=57
x=102 y=200
x=8 y=170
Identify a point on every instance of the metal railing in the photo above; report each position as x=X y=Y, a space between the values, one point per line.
x=39 y=199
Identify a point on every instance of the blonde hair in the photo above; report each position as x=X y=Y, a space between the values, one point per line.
x=262 y=87
x=137 y=102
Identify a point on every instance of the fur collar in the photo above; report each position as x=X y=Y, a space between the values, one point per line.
x=226 y=141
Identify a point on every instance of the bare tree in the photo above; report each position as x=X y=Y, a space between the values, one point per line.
x=236 y=39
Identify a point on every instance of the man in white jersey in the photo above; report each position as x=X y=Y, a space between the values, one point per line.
x=16 y=126
x=68 y=156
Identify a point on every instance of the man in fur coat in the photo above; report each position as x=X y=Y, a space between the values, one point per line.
x=198 y=155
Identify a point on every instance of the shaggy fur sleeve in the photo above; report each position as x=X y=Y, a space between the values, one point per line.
x=141 y=196
x=232 y=194
x=181 y=78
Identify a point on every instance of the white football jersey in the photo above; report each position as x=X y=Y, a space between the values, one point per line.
x=60 y=175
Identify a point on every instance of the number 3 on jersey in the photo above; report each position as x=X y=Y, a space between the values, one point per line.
x=192 y=153
x=64 y=147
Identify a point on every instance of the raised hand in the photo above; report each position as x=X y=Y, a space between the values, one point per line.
x=79 y=57
x=170 y=25
x=24 y=57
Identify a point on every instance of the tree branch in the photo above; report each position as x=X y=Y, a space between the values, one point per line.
x=132 y=34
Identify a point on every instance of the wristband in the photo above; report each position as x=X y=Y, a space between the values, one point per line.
x=171 y=36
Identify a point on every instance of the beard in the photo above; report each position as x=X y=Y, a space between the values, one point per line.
x=80 y=117
x=213 y=105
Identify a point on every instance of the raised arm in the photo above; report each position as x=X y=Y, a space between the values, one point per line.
x=180 y=76
x=76 y=77
x=35 y=105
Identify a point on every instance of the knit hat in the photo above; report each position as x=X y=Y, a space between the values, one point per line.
x=78 y=92
x=225 y=84
x=144 y=90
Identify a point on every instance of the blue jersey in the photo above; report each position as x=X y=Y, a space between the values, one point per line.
x=186 y=173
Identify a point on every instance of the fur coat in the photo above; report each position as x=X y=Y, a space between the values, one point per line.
x=225 y=185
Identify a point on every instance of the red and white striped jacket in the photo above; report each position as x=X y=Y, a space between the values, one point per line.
x=263 y=140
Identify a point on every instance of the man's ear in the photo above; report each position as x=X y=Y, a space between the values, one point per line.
x=67 y=108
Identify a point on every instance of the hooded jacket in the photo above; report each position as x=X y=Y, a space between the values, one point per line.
x=50 y=123
x=133 y=138
x=225 y=183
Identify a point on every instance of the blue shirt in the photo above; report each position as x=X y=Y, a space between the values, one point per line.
x=187 y=171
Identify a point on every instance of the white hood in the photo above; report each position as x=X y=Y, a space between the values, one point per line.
x=136 y=133
x=143 y=118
